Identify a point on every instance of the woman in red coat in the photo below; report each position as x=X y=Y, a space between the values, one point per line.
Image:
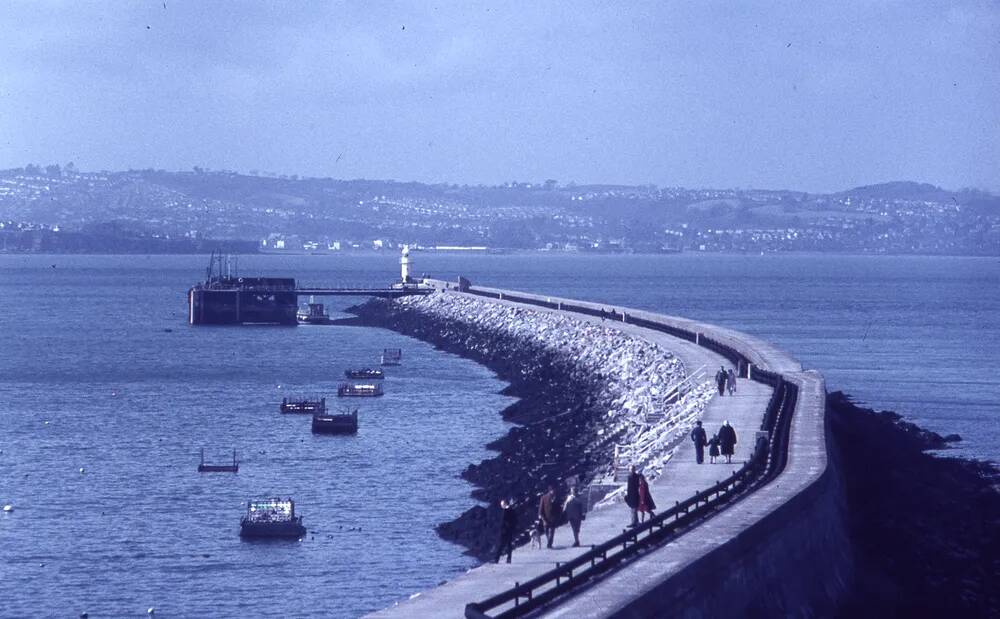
x=646 y=503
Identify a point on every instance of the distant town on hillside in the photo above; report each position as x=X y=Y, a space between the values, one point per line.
x=58 y=209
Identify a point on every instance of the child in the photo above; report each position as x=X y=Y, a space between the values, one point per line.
x=713 y=449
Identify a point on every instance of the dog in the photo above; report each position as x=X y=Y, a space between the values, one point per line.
x=536 y=534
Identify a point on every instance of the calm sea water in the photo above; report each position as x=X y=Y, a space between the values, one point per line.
x=90 y=378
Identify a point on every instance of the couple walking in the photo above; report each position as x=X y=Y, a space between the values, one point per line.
x=637 y=496
x=726 y=380
x=550 y=513
x=724 y=441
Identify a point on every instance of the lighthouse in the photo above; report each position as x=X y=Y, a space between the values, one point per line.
x=404 y=265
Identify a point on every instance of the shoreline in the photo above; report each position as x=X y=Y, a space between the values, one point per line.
x=924 y=528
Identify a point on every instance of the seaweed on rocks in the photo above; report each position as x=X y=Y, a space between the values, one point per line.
x=925 y=529
x=582 y=388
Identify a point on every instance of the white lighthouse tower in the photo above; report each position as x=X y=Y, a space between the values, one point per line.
x=404 y=265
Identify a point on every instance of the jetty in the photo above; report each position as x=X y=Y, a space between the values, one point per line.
x=226 y=298
x=722 y=530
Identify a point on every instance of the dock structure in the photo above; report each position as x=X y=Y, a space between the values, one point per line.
x=225 y=298
x=704 y=556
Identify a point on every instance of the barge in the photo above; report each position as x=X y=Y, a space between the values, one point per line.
x=271 y=518
x=303 y=406
x=344 y=423
x=359 y=390
x=365 y=374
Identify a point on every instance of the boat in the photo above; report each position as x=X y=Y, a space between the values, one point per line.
x=343 y=423
x=218 y=468
x=391 y=356
x=303 y=406
x=359 y=390
x=313 y=314
x=271 y=518
x=365 y=374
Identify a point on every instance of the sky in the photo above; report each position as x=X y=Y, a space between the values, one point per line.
x=816 y=96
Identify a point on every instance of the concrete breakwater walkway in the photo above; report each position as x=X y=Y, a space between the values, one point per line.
x=680 y=476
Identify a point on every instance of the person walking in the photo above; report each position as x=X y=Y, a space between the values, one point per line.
x=713 y=449
x=731 y=381
x=727 y=440
x=646 y=503
x=720 y=380
x=508 y=527
x=573 y=510
x=548 y=511
x=632 y=494
x=700 y=440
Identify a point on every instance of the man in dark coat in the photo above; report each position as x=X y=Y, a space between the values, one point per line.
x=548 y=511
x=720 y=379
x=727 y=440
x=700 y=440
x=632 y=494
x=508 y=528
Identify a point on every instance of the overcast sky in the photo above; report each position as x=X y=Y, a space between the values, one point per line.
x=820 y=96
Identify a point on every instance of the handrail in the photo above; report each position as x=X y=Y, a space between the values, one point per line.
x=768 y=460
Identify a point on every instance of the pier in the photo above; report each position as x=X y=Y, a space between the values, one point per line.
x=225 y=298
x=722 y=532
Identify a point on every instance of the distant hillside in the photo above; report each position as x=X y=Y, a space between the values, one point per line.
x=901 y=190
x=158 y=209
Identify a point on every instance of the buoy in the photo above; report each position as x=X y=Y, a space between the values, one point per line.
x=84 y=616
x=8 y=508
x=81 y=469
x=150 y=610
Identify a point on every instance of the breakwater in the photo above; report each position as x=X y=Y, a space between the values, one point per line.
x=808 y=543
x=774 y=530
x=583 y=387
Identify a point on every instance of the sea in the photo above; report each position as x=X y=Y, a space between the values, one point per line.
x=108 y=397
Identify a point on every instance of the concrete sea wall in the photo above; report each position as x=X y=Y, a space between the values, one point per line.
x=780 y=551
x=583 y=387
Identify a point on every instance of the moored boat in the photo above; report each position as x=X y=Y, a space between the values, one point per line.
x=204 y=467
x=271 y=518
x=303 y=406
x=392 y=356
x=359 y=390
x=365 y=374
x=314 y=314
x=327 y=423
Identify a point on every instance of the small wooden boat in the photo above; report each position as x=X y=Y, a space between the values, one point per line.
x=359 y=390
x=315 y=314
x=218 y=468
x=271 y=518
x=392 y=356
x=327 y=423
x=303 y=406
x=365 y=374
